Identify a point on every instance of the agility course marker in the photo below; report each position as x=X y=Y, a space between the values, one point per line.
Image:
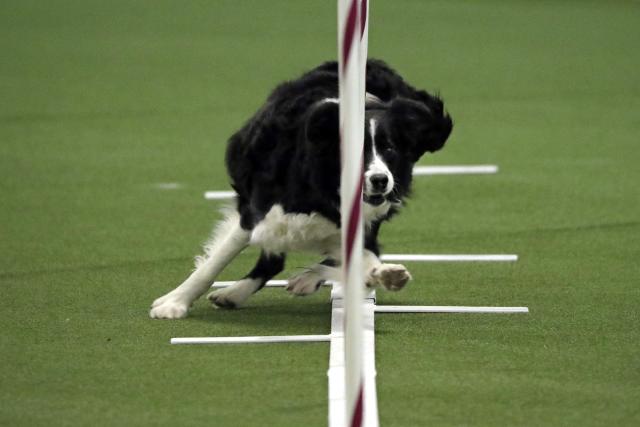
x=417 y=171
x=406 y=258
x=336 y=337
x=219 y=195
x=446 y=309
x=336 y=372
x=450 y=257
x=251 y=340
x=352 y=55
x=269 y=284
x=352 y=386
x=455 y=170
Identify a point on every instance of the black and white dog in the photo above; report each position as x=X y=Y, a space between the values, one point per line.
x=284 y=165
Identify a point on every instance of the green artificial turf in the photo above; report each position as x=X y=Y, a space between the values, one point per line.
x=102 y=101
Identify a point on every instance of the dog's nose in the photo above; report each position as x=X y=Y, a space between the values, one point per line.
x=379 y=181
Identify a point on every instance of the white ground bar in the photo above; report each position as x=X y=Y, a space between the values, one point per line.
x=251 y=340
x=446 y=309
x=409 y=258
x=219 y=195
x=450 y=258
x=336 y=373
x=371 y=418
x=270 y=284
x=417 y=170
x=455 y=170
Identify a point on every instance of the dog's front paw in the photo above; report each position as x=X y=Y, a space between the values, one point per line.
x=392 y=276
x=305 y=283
x=168 y=307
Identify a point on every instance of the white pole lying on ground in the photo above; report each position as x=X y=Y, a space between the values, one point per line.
x=450 y=257
x=219 y=195
x=417 y=171
x=251 y=340
x=446 y=309
x=405 y=258
x=455 y=170
x=269 y=284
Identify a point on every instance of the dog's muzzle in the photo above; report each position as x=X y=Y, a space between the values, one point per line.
x=377 y=193
x=375 y=200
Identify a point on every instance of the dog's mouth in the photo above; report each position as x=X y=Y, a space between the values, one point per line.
x=375 y=199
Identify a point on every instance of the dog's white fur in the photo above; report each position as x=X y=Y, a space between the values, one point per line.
x=377 y=166
x=281 y=232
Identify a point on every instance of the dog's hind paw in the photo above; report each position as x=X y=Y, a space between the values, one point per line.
x=305 y=283
x=220 y=300
x=392 y=276
x=235 y=295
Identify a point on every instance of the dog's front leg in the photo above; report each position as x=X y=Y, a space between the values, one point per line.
x=230 y=239
x=392 y=277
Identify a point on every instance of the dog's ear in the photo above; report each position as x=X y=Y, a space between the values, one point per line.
x=418 y=128
x=323 y=124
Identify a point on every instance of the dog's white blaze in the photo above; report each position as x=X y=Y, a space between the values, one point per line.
x=377 y=164
x=281 y=232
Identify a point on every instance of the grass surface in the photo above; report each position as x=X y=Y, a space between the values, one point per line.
x=101 y=101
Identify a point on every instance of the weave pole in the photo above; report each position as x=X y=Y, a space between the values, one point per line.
x=352 y=15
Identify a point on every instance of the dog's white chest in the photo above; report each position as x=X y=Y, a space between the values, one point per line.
x=374 y=213
x=281 y=232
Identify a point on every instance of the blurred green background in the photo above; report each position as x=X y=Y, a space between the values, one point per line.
x=100 y=102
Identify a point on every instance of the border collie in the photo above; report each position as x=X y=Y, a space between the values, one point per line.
x=284 y=165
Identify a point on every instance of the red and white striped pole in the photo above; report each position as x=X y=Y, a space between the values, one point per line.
x=352 y=53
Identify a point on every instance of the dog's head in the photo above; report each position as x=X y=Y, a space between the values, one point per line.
x=397 y=134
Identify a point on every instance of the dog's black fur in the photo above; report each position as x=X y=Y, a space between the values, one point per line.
x=288 y=152
x=286 y=158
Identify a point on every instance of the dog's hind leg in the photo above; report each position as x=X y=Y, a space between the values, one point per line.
x=234 y=296
x=229 y=240
x=310 y=280
x=393 y=277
